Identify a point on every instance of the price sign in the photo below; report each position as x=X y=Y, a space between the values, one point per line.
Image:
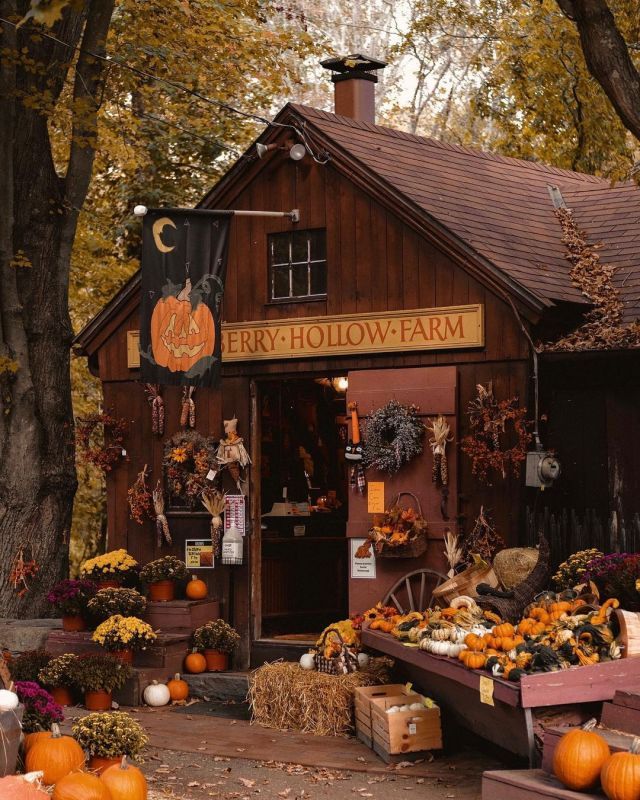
x=234 y=512
x=362 y=567
x=375 y=497
x=198 y=554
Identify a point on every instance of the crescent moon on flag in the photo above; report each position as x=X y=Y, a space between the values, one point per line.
x=158 y=226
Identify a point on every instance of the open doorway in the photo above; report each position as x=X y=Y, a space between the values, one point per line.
x=304 y=506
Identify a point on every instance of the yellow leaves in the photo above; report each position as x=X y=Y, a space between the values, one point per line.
x=20 y=260
x=8 y=366
x=46 y=12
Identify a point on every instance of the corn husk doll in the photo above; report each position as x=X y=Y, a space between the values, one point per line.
x=232 y=453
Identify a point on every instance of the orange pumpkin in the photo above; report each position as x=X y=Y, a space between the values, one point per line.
x=81 y=786
x=579 y=757
x=55 y=755
x=125 y=782
x=506 y=629
x=178 y=689
x=475 y=642
x=621 y=774
x=17 y=787
x=196 y=589
x=31 y=738
x=195 y=663
x=180 y=334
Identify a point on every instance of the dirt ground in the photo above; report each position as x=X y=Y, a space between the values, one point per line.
x=176 y=774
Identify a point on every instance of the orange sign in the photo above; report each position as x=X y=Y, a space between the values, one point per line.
x=421 y=329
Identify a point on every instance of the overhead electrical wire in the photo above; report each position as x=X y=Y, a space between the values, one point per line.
x=320 y=158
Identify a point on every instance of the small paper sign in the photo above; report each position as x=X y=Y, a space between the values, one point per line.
x=375 y=497
x=486 y=691
x=413 y=729
x=362 y=567
x=198 y=554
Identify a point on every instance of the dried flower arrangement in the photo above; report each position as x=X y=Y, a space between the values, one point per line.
x=120 y=633
x=188 y=457
x=40 y=709
x=27 y=666
x=108 y=602
x=483 y=541
x=154 y=397
x=22 y=570
x=58 y=671
x=70 y=597
x=604 y=328
x=216 y=635
x=99 y=439
x=490 y=420
x=452 y=551
x=95 y=672
x=109 y=734
x=139 y=497
x=393 y=437
x=396 y=528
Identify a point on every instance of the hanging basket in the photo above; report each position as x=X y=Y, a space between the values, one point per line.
x=417 y=542
x=344 y=661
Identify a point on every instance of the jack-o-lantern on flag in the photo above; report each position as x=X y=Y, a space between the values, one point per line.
x=184 y=260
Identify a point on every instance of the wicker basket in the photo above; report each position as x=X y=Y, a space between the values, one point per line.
x=629 y=636
x=465 y=582
x=413 y=548
x=346 y=661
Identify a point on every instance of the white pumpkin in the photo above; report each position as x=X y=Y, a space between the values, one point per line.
x=8 y=700
x=308 y=661
x=156 y=694
x=416 y=707
x=363 y=660
x=441 y=634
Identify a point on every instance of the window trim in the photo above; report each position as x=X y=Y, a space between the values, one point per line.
x=290 y=265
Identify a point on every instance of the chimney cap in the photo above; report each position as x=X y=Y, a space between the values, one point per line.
x=356 y=65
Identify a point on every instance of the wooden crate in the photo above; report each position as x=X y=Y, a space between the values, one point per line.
x=167 y=652
x=362 y=701
x=181 y=616
x=404 y=732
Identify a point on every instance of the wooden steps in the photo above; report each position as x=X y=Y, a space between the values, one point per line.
x=620 y=722
x=528 y=784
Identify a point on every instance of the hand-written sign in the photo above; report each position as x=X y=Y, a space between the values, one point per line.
x=422 y=329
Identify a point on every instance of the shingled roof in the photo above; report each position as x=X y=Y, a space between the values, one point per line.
x=499 y=206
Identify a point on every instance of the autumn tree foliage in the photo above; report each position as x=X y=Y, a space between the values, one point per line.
x=82 y=139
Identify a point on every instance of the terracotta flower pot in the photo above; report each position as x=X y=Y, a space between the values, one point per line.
x=162 y=591
x=108 y=583
x=62 y=695
x=73 y=622
x=216 y=661
x=98 y=700
x=125 y=655
x=98 y=764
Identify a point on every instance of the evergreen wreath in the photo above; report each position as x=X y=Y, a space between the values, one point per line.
x=394 y=435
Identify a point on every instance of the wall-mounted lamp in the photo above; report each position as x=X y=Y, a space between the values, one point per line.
x=297 y=152
x=263 y=149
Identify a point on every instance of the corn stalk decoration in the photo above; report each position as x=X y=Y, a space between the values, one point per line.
x=440 y=437
x=162 y=523
x=213 y=501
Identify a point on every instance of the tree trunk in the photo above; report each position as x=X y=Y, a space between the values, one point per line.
x=37 y=229
x=608 y=58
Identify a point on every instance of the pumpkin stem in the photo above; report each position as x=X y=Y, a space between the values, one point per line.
x=55 y=731
x=124 y=764
x=194 y=577
x=590 y=724
x=176 y=677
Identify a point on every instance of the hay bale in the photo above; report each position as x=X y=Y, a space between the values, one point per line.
x=286 y=697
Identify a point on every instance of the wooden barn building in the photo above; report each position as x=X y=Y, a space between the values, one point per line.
x=416 y=271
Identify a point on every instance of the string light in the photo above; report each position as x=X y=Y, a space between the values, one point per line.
x=321 y=158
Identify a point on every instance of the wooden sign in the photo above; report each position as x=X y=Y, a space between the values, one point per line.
x=421 y=329
x=455 y=327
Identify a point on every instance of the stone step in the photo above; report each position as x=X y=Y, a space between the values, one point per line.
x=20 y=635
x=218 y=685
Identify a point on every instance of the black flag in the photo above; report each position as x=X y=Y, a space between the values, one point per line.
x=184 y=261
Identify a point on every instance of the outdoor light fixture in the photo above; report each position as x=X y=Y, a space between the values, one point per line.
x=340 y=384
x=297 y=152
x=263 y=149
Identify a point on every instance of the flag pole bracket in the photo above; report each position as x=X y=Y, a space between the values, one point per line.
x=293 y=215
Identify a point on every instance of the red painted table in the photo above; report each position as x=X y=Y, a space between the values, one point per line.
x=510 y=721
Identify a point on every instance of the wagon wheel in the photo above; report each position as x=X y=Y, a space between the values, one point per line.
x=422 y=582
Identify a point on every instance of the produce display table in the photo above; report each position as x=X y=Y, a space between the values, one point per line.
x=505 y=712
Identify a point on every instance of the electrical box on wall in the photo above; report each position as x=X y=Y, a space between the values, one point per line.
x=543 y=469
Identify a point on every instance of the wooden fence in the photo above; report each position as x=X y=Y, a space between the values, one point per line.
x=569 y=530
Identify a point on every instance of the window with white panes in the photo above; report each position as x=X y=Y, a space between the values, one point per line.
x=297 y=265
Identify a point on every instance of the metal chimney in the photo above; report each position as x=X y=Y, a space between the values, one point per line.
x=355 y=78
